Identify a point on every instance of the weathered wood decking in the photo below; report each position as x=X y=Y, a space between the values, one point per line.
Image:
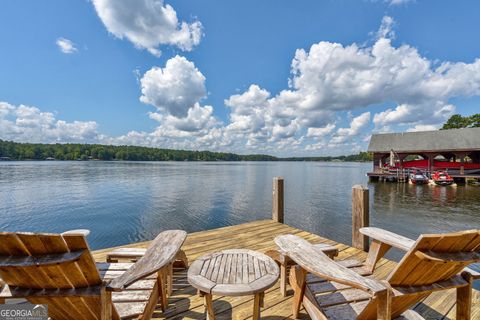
x=259 y=235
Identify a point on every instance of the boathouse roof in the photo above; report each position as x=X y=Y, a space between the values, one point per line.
x=467 y=139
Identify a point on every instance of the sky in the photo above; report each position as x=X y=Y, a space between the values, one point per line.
x=286 y=78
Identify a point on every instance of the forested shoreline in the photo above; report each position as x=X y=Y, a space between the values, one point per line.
x=10 y=150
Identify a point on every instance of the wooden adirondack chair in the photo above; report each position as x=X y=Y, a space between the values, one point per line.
x=59 y=270
x=434 y=262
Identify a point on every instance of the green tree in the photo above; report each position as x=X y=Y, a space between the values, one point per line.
x=457 y=121
x=475 y=120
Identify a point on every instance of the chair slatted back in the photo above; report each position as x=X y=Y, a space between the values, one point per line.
x=433 y=258
x=52 y=261
x=452 y=253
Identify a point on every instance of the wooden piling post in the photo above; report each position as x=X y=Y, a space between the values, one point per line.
x=277 y=200
x=360 y=216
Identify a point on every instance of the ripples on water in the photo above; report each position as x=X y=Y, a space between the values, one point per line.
x=123 y=202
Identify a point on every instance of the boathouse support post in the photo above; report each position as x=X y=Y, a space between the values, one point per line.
x=277 y=200
x=360 y=216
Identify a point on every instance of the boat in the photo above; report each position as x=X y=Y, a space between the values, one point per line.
x=418 y=177
x=442 y=178
x=469 y=168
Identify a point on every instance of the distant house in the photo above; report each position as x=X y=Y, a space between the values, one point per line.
x=457 y=150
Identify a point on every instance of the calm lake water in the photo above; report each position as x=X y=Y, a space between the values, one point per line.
x=123 y=202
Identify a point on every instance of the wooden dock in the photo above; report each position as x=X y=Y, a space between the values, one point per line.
x=259 y=235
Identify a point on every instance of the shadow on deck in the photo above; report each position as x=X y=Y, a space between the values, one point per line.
x=259 y=235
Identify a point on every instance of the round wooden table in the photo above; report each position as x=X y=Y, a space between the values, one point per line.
x=235 y=272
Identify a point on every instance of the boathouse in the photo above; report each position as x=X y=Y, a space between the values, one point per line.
x=455 y=150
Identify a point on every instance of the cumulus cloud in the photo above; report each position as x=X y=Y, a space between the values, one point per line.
x=329 y=83
x=430 y=113
x=29 y=124
x=176 y=91
x=148 y=24
x=66 y=46
x=357 y=125
x=175 y=88
x=320 y=132
x=423 y=127
x=331 y=79
x=198 y=120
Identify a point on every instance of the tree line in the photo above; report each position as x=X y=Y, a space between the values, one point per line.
x=360 y=157
x=73 y=151
x=10 y=150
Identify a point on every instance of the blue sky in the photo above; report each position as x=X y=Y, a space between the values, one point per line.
x=277 y=77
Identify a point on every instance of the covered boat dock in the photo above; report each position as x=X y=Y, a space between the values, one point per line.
x=456 y=151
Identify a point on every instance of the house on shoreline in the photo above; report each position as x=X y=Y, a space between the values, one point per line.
x=455 y=150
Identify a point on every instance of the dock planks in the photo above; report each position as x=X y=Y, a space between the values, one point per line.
x=259 y=235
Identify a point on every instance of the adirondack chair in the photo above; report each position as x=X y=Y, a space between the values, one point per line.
x=434 y=262
x=59 y=270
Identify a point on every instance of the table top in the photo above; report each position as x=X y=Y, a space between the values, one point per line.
x=234 y=272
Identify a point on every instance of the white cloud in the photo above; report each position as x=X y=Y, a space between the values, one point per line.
x=248 y=110
x=423 y=127
x=398 y=2
x=29 y=124
x=148 y=24
x=357 y=125
x=331 y=79
x=430 y=113
x=386 y=28
x=196 y=122
x=320 y=132
x=66 y=46
x=328 y=83
x=176 y=91
x=175 y=88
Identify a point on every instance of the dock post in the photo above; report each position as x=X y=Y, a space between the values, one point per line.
x=360 y=216
x=277 y=199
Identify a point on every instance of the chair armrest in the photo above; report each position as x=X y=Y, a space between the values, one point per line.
x=161 y=252
x=317 y=263
x=387 y=237
x=81 y=232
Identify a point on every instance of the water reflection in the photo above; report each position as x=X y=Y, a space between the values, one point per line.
x=122 y=202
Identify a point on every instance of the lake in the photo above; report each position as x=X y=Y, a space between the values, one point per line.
x=124 y=202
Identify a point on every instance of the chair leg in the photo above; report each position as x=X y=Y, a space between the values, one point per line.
x=384 y=306
x=170 y=280
x=283 y=280
x=106 y=304
x=377 y=250
x=162 y=289
x=298 y=277
x=464 y=300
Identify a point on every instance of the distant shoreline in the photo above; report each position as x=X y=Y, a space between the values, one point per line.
x=212 y=161
x=15 y=151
